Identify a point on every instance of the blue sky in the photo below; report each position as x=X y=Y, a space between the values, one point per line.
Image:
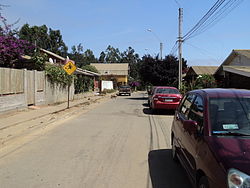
x=98 y=23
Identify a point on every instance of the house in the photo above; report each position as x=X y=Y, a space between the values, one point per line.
x=116 y=72
x=56 y=59
x=194 y=71
x=234 y=72
x=53 y=57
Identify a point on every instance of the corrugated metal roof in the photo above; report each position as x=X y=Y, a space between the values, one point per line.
x=204 y=69
x=112 y=68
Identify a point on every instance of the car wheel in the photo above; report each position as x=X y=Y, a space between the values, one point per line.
x=174 y=155
x=203 y=182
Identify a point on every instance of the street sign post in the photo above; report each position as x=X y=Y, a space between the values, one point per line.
x=69 y=68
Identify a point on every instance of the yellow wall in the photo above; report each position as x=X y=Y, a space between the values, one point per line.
x=122 y=79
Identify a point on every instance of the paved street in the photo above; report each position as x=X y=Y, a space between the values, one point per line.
x=119 y=143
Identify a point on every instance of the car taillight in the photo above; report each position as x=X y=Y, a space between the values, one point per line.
x=155 y=98
x=177 y=99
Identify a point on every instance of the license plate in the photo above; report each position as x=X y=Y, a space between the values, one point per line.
x=168 y=100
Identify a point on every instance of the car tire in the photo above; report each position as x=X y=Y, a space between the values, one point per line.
x=153 y=110
x=174 y=155
x=203 y=182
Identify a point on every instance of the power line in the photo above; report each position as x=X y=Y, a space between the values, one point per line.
x=222 y=13
x=205 y=17
x=202 y=51
x=178 y=4
x=174 y=49
x=219 y=10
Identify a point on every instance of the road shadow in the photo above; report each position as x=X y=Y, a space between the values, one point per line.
x=149 y=111
x=136 y=98
x=164 y=172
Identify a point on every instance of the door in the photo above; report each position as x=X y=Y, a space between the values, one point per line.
x=181 y=116
x=191 y=142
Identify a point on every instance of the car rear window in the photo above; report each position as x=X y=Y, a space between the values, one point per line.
x=167 y=91
x=127 y=87
x=230 y=114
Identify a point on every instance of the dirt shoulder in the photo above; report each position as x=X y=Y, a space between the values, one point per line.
x=16 y=127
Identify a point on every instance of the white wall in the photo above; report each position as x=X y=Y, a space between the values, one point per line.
x=107 y=85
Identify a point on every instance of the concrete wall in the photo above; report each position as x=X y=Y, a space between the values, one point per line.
x=12 y=102
x=15 y=92
x=57 y=94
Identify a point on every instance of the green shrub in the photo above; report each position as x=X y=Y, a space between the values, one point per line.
x=57 y=75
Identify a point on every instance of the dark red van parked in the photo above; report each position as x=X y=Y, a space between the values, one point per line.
x=211 y=137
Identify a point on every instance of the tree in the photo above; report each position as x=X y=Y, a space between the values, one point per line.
x=45 y=38
x=111 y=55
x=129 y=56
x=5 y=27
x=102 y=57
x=89 y=57
x=56 y=43
x=82 y=59
x=156 y=72
x=76 y=55
x=12 y=50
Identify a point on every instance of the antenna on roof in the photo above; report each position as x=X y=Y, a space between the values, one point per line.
x=51 y=60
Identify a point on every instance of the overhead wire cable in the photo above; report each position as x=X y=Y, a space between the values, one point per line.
x=205 y=17
x=202 y=20
x=216 y=18
x=174 y=49
x=217 y=12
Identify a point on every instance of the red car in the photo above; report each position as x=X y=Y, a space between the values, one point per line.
x=163 y=97
x=211 y=137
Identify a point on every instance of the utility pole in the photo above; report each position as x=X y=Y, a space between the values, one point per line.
x=161 y=46
x=180 y=47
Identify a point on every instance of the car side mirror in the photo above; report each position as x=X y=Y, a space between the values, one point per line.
x=190 y=126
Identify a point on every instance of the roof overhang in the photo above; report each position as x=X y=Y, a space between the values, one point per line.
x=53 y=54
x=240 y=70
x=86 y=72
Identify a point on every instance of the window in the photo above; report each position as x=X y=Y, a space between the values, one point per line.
x=230 y=114
x=185 y=108
x=196 y=112
x=167 y=91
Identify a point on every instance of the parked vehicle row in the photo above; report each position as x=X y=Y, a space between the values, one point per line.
x=211 y=137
